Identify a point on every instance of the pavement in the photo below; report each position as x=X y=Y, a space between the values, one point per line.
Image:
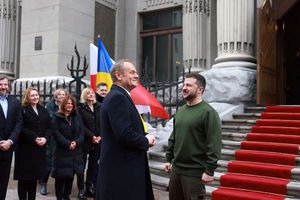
x=12 y=192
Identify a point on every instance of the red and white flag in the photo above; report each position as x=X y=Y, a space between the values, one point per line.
x=145 y=102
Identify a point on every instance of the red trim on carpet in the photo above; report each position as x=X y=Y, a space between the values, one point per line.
x=278 y=115
x=261 y=169
x=225 y=193
x=291 y=139
x=270 y=146
x=293 y=109
x=278 y=122
x=265 y=157
x=252 y=182
x=276 y=130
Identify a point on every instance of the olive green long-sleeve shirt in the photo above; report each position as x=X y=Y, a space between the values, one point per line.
x=195 y=144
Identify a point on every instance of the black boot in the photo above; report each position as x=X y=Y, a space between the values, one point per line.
x=43 y=189
x=89 y=190
x=81 y=195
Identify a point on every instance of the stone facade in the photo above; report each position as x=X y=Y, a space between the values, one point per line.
x=61 y=24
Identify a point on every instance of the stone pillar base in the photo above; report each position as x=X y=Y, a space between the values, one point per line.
x=245 y=64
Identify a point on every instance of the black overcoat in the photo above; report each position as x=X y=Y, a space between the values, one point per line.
x=65 y=161
x=30 y=158
x=123 y=170
x=91 y=123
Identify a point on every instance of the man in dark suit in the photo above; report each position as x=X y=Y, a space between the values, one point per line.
x=123 y=170
x=10 y=127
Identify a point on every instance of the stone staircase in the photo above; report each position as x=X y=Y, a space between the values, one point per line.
x=233 y=132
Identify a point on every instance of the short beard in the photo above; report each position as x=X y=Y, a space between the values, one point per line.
x=190 y=96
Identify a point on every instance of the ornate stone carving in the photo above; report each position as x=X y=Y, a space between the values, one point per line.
x=109 y=3
x=158 y=4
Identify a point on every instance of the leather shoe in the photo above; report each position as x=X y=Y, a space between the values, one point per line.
x=81 y=195
x=89 y=190
x=43 y=189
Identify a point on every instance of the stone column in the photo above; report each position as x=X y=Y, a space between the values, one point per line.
x=194 y=28
x=235 y=33
x=9 y=11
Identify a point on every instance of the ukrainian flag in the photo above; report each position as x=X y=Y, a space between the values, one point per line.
x=104 y=64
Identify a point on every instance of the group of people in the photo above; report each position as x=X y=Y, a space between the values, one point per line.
x=58 y=139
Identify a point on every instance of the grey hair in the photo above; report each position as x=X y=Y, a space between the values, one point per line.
x=117 y=67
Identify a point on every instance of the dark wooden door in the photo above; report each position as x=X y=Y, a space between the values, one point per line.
x=266 y=56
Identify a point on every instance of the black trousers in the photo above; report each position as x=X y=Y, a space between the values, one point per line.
x=27 y=189
x=186 y=187
x=91 y=168
x=46 y=177
x=63 y=188
x=5 y=164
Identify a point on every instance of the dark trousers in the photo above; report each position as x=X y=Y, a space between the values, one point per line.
x=5 y=163
x=63 y=188
x=46 y=176
x=186 y=187
x=27 y=190
x=91 y=168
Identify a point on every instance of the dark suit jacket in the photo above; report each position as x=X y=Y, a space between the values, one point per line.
x=123 y=171
x=10 y=127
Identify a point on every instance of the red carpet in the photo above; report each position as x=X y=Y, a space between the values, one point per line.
x=262 y=167
x=277 y=122
x=265 y=157
x=271 y=170
x=289 y=109
x=274 y=147
x=275 y=115
x=291 y=139
x=257 y=183
x=276 y=130
x=224 y=193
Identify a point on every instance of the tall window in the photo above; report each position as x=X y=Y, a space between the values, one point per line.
x=161 y=44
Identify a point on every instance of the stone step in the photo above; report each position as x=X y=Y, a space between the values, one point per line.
x=160 y=182
x=223 y=164
x=228 y=154
x=157 y=156
x=233 y=136
x=293 y=188
x=157 y=168
x=253 y=109
x=250 y=116
x=231 y=145
x=239 y=122
x=236 y=128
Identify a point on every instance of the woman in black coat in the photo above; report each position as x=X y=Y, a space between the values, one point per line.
x=89 y=110
x=68 y=136
x=30 y=155
x=52 y=106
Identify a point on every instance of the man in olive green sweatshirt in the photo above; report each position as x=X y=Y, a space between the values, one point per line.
x=194 y=146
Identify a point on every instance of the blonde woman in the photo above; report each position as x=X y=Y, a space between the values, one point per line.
x=30 y=160
x=52 y=106
x=89 y=110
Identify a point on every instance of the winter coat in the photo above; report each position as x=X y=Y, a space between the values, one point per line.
x=30 y=158
x=52 y=108
x=91 y=123
x=66 y=162
x=123 y=169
